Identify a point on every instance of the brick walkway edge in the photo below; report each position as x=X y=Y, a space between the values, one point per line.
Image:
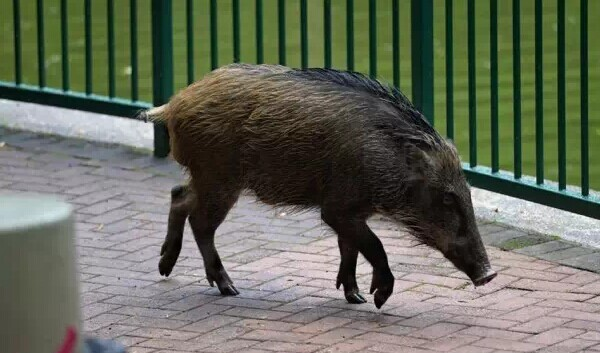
x=285 y=267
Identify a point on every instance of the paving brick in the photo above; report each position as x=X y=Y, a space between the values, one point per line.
x=264 y=335
x=566 y=253
x=570 y=345
x=497 y=343
x=278 y=346
x=481 y=321
x=588 y=262
x=539 y=325
x=544 y=248
x=285 y=267
x=553 y=336
x=578 y=315
x=392 y=339
x=163 y=333
x=438 y=330
x=450 y=342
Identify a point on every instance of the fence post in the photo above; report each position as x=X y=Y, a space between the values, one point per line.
x=422 y=56
x=162 y=67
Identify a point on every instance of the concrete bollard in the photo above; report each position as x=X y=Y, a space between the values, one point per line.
x=39 y=290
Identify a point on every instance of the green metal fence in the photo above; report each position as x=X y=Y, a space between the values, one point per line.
x=508 y=80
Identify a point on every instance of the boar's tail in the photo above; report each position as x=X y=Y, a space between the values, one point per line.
x=151 y=115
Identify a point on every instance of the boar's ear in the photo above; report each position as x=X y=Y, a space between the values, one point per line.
x=418 y=163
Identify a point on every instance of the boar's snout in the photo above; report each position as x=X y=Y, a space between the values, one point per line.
x=484 y=278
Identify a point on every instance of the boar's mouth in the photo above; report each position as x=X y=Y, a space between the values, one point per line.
x=485 y=278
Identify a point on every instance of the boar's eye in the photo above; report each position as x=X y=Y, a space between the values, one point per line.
x=448 y=198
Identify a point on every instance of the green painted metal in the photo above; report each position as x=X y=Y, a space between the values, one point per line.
x=17 y=41
x=422 y=56
x=235 y=11
x=526 y=189
x=539 y=95
x=281 y=31
x=350 y=35
x=64 y=44
x=189 y=32
x=561 y=99
x=327 y=33
x=72 y=100
x=303 y=34
x=88 y=45
x=449 y=69
x=494 y=84
x=162 y=67
x=396 y=42
x=585 y=145
x=472 y=84
x=41 y=44
x=372 y=38
x=133 y=44
x=214 y=44
x=533 y=188
x=259 y=32
x=110 y=20
x=517 y=153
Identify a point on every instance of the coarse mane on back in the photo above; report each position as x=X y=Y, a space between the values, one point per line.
x=413 y=126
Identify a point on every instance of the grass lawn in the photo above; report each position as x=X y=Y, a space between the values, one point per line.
x=316 y=54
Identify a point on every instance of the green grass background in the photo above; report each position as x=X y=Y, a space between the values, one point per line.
x=316 y=53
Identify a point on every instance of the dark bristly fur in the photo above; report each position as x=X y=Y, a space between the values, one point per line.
x=319 y=138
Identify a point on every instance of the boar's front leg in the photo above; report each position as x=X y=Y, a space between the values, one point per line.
x=210 y=211
x=347 y=273
x=182 y=201
x=353 y=229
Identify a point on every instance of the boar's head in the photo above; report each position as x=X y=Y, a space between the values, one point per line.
x=438 y=210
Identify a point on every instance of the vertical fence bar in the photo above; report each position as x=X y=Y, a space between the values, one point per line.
x=539 y=95
x=41 y=44
x=303 y=33
x=472 y=84
x=494 y=84
x=327 y=32
x=214 y=54
x=562 y=145
x=281 y=31
x=64 y=44
x=259 y=31
x=516 y=42
x=350 y=34
x=585 y=159
x=88 y=45
x=162 y=67
x=134 y=49
x=17 y=39
x=110 y=13
x=189 y=30
x=236 y=30
x=396 y=42
x=372 y=38
x=422 y=56
x=449 y=69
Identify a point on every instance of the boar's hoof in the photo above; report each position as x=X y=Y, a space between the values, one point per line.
x=229 y=290
x=167 y=261
x=224 y=284
x=383 y=286
x=354 y=297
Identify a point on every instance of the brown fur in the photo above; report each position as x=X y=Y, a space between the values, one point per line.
x=337 y=142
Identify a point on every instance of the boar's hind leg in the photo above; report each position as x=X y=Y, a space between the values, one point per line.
x=354 y=230
x=182 y=201
x=347 y=273
x=210 y=211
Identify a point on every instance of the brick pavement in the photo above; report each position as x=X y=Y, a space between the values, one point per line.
x=285 y=266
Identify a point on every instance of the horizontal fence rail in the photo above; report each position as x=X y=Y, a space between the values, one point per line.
x=508 y=81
